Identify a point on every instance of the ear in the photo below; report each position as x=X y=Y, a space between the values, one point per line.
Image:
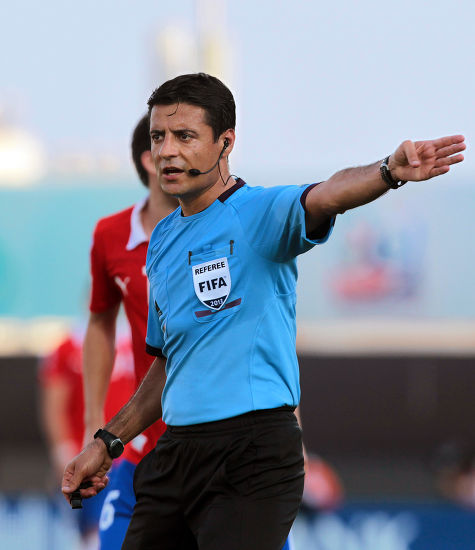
x=230 y=136
x=147 y=162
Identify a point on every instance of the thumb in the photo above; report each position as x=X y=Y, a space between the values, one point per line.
x=410 y=152
x=71 y=479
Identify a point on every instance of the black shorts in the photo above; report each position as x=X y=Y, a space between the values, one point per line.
x=234 y=484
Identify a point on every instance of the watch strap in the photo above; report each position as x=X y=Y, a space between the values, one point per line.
x=387 y=177
x=108 y=438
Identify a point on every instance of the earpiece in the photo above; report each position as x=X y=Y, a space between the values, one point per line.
x=195 y=172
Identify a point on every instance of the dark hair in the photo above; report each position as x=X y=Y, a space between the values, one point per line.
x=141 y=143
x=202 y=90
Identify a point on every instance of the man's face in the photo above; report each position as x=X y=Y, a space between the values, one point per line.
x=182 y=140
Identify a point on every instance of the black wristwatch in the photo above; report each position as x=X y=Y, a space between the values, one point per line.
x=387 y=177
x=114 y=445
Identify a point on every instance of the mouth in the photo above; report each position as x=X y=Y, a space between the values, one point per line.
x=170 y=171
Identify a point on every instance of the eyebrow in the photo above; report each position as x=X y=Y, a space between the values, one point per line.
x=174 y=132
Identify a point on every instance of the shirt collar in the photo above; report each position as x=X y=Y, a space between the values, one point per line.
x=226 y=194
x=137 y=233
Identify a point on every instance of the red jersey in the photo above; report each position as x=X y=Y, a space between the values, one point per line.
x=118 y=255
x=65 y=365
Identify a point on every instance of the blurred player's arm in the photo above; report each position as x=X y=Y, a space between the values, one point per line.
x=142 y=410
x=53 y=402
x=352 y=187
x=98 y=362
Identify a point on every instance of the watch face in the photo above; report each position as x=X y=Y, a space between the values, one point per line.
x=116 y=448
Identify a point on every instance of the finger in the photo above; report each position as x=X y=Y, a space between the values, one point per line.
x=447 y=140
x=96 y=484
x=450 y=150
x=68 y=484
x=448 y=161
x=90 y=487
x=439 y=171
x=410 y=152
x=73 y=477
x=93 y=491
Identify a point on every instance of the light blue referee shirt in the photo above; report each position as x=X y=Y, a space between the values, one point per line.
x=222 y=303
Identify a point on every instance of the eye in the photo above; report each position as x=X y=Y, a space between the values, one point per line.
x=185 y=136
x=156 y=138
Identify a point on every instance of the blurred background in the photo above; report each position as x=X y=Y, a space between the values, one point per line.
x=386 y=309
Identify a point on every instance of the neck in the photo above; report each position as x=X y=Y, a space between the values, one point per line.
x=157 y=207
x=192 y=204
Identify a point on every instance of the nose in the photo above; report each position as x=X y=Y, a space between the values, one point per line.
x=168 y=147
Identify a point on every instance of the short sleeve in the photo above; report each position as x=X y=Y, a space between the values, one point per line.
x=104 y=292
x=275 y=223
x=154 y=339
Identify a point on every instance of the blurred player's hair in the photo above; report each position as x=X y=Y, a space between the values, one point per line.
x=141 y=143
x=201 y=90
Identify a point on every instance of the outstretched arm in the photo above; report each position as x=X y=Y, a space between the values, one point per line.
x=352 y=187
x=142 y=410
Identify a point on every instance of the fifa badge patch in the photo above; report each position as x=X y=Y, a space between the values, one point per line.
x=212 y=282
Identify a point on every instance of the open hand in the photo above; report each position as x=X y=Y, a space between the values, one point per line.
x=422 y=160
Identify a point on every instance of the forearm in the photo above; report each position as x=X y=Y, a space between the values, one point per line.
x=347 y=189
x=54 y=397
x=353 y=187
x=144 y=407
x=98 y=362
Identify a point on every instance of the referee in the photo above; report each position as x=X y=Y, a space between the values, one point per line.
x=228 y=472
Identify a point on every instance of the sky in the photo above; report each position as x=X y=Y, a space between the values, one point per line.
x=319 y=86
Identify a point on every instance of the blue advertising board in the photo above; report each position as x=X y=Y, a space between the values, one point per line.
x=387 y=526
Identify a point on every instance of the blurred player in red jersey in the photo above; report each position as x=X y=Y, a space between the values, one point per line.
x=118 y=256
x=62 y=411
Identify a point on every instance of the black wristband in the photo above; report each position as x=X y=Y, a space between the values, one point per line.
x=387 y=177
x=114 y=445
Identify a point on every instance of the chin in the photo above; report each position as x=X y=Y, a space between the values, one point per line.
x=173 y=188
